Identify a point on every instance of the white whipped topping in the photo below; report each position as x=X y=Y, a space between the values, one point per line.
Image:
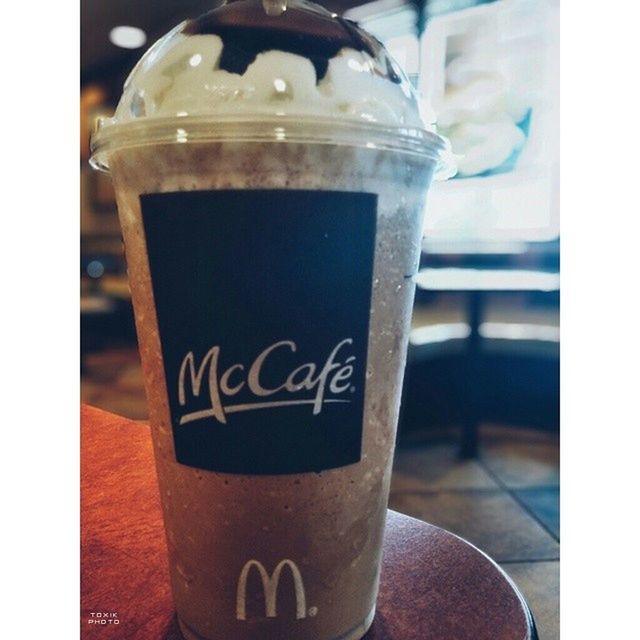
x=183 y=77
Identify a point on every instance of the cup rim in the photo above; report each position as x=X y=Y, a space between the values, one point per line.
x=110 y=136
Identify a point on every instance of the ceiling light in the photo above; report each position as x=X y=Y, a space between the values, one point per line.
x=127 y=37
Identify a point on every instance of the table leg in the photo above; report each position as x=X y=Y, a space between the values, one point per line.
x=469 y=440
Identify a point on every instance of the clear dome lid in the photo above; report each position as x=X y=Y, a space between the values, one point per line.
x=256 y=69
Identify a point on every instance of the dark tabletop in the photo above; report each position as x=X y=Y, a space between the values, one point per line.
x=434 y=585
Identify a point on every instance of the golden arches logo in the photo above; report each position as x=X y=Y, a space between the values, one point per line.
x=270 y=588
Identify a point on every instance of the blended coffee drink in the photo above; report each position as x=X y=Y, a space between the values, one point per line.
x=271 y=170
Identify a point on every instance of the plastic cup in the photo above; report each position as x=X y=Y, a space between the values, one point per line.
x=271 y=246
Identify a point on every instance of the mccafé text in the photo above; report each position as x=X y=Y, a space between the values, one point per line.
x=332 y=377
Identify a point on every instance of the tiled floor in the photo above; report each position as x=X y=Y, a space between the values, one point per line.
x=112 y=380
x=506 y=502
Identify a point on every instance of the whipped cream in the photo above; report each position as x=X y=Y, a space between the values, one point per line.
x=181 y=76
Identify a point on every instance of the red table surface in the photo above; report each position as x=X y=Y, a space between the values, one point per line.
x=434 y=585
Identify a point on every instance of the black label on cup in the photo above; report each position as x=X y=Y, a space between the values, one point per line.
x=263 y=300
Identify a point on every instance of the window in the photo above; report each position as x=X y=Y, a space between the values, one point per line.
x=490 y=72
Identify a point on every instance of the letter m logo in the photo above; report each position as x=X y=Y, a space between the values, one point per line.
x=270 y=588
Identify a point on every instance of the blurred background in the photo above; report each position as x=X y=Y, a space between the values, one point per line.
x=478 y=434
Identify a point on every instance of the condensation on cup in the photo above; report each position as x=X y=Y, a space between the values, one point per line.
x=271 y=170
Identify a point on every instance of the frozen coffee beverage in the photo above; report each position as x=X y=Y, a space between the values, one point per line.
x=271 y=170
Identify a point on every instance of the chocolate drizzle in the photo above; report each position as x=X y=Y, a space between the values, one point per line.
x=305 y=30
